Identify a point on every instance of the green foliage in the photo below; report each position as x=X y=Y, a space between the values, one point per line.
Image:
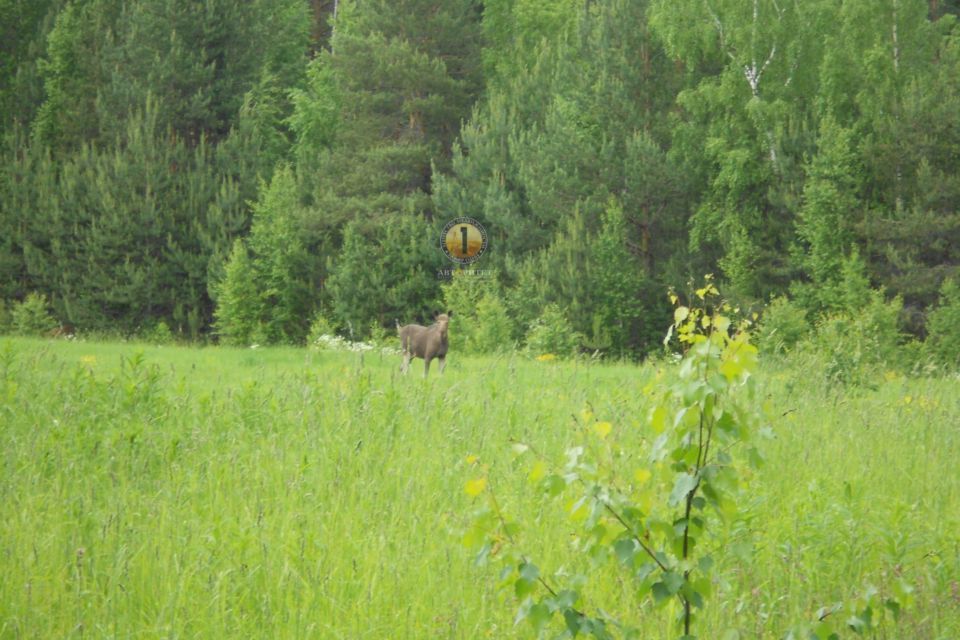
x=569 y=171
x=870 y=613
x=857 y=345
x=401 y=75
x=610 y=148
x=280 y=262
x=552 y=333
x=462 y=294
x=24 y=27
x=943 y=325
x=858 y=335
x=158 y=334
x=657 y=527
x=316 y=109
x=239 y=305
x=320 y=326
x=854 y=290
x=31 y=317
x=783 y=325
x=830 y=206
x=356 y=288
x=385 y=272
x=483 y=324
x=515 y=29
x=493 y=332
x=6 y=319
x=258 y=446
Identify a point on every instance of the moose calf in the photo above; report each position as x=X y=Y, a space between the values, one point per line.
x=425 y=342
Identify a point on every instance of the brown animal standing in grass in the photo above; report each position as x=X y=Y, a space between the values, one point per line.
x=425 y=342
x=65 y=330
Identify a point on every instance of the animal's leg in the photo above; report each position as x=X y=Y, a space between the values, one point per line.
x=426 y=367
x=406 y=363
x=443 y=363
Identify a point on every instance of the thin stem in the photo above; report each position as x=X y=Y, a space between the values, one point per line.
x=506 y=532
x=635 y=535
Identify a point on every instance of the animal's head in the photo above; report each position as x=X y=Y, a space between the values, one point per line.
x=442 y=320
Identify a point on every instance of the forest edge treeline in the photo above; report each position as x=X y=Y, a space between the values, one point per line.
x=245 y=169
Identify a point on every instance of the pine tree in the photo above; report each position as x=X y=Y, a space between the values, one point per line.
x=830 y=210
x=281 y=263
x=239 y=305
x=406 y=74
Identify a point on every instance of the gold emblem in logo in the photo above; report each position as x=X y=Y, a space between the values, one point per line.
x=463 y=240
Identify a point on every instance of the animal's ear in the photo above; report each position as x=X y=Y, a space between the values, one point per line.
x=435 y=314
x=450 y=314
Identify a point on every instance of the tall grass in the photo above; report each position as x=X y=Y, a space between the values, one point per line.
x=283 y=493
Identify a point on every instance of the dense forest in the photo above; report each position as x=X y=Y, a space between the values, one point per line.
x=240 y=169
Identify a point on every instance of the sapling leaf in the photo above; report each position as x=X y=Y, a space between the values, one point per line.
x=693 y=596
x=674 y=581
x=705 y=564
x=703 y=586
x=658 y=419
x=894 y=607
x=646 y=569
x=529 y=571
x=539 y=616
x=522 y=588
x=573 y=620
x=856 y=624
x=625 y=550
x=567 y=598
x=721 y=324
x=684 y=485
x=660 y=592
x=554 y=485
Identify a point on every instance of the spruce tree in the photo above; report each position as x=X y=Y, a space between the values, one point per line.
x=239 y=306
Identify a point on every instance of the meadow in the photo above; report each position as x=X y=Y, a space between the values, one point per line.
x=188 y=492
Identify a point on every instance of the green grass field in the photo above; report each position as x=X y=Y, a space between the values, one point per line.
x=174 y=492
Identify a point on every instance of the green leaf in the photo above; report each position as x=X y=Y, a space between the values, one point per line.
x=529 y=571
x=705 y=563
x=894 y=607
x=527 y=582
x=824 y=630
x=721 y=323
x=684 y=485
x=625 y=550
x=539 y=616
x=554 y=485
x=858 y=624
x=660 y=592
x=567 y=598
x=674 y=581
x=572 y=620
x=522 y=588
x=693 y=595
x=658 y=419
